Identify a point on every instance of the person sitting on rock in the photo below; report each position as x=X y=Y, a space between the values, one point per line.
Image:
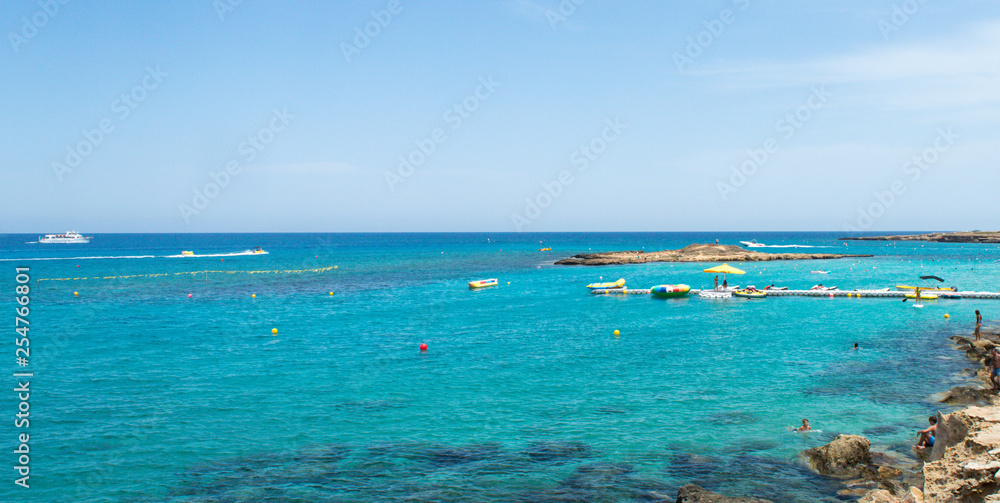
x=805 y=426
x=927 y=436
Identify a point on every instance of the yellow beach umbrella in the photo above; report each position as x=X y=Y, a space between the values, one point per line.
x=724 y=269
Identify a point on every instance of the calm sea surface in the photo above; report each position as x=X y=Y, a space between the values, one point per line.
x=142 y=393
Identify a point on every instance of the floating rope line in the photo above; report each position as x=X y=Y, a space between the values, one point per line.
x=192 y=273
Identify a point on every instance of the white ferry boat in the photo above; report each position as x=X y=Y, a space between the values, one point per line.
x=69 y=237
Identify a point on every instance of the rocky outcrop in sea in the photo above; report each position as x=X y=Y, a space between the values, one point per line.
x=937 y=237
x=692 y=253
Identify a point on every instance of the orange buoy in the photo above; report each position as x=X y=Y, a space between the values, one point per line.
x=423 y=347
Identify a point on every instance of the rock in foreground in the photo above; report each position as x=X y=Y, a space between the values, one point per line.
x=696 y=494
x=965 y=466
x=846 y=457
x=692 y=253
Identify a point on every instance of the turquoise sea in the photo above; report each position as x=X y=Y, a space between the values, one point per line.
x=142 y=393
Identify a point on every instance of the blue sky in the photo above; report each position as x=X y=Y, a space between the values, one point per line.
x=532 y=115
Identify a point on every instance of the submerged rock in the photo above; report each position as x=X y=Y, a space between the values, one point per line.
x=696 y=494
x=558 y=451
x=846 y=457
x=966 y=395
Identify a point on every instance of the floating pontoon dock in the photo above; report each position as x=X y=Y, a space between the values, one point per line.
x=897 y=294
x=874 y=293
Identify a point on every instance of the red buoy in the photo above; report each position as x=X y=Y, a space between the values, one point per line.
x=423 y=348
x=189 y=295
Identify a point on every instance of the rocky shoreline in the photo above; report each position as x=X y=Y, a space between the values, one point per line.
x=963 y=466
x=936 y=237
x=692 y=253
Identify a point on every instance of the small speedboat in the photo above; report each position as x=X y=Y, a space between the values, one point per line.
x=483 y=283
x=752 y=244
x=670 y=291
x=610 y=284
x=819 y=272
x=772 y=287
x=187 y=253
x=750 y=294
x=259 y=251
x=823 y=288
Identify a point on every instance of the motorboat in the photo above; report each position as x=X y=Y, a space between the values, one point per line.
x=822 y=288
x=669 y=291
x=258 y=251
x=752 y=244
x=187 y=253
x=483 y=283
x=772 y=287
x=69 y=237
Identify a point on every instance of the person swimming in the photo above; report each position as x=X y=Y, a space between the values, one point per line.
x=805 y=426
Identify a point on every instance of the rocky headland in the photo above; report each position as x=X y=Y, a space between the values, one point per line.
x=963 y=466
x=937 y=237
x=692 y=253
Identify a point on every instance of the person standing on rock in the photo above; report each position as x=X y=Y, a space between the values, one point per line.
x=979 y=325
x=994 y=368
x=927 y=436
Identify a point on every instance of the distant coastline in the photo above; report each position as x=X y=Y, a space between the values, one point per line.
x=936 y=237
x=692 y=253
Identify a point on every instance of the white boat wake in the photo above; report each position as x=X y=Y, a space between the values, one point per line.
x=112 y=257
x=75 y=258
x=793 y=246
x=234 y=254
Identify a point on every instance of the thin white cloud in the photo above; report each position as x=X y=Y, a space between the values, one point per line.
x=961 y=70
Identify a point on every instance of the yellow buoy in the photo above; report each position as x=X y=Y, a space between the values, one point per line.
x=508 y=282
x=334 y=267
x=946 y=315
x=253 y=295
x=274 y=331
x=331 y=293
x=76 y=293
x=617 y=333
